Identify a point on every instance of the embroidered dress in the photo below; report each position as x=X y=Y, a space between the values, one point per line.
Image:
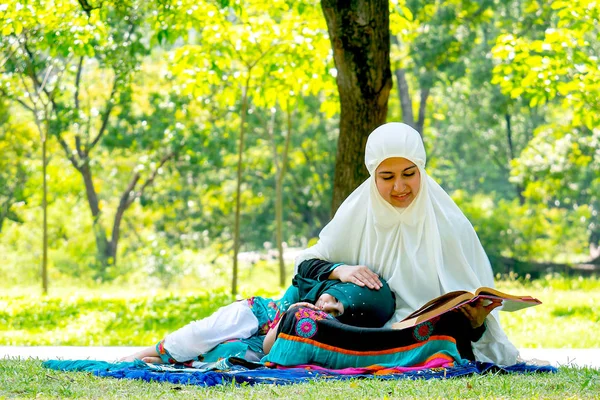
x=307 y=337
x=239 y=329
x=235 y=330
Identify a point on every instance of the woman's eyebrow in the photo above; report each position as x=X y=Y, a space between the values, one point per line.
x=391 y=172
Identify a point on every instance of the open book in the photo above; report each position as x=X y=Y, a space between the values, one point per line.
x=453 y=300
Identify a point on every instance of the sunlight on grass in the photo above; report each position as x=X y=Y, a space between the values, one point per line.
x=112 y=315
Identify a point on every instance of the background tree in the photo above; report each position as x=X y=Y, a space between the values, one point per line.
x=360 y=38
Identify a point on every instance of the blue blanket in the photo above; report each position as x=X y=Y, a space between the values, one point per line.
x=235 y=370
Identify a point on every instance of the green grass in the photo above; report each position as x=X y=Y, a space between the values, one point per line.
x=124 y=316
x=28 y=379
x=568 y=318
x=109 y=316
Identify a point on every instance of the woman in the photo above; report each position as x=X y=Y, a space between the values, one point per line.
x=401 y=225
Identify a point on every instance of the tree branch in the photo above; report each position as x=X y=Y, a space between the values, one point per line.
x=68 y=151
x=150 y=180
x=270 y=129
x=21 y=102
x=34 y=78
x=126 y=196
x=109 y=107
x=78 y=82
x=87 y=7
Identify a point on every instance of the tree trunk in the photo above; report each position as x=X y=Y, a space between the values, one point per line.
x=236 y=231
x=404 y=96
x=45 y=222
x=511 y=154
x=422 y=110
x=102 y=244
x=360 y=38
x=279 y=198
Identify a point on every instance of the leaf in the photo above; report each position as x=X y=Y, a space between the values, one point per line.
x=407 y=13
x=534 y=101
x=162 y=36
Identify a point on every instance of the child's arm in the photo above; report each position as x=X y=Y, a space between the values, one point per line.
x=270 y=338
x=272 y=333
x=316 y=269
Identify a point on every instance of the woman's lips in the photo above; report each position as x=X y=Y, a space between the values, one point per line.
x=401 y=196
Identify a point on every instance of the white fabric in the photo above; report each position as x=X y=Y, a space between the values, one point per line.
x=424 y=250
x=235 y=321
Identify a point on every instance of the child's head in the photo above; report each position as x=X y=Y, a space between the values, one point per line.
x=358 y=306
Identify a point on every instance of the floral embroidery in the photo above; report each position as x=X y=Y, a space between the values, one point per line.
x=163 y=353
x=312 y=314
x=306 y=328
x=423 y=331
x=264 y=328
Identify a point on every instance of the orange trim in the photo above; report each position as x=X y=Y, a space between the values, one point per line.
x=364 y=353
x=436 y=355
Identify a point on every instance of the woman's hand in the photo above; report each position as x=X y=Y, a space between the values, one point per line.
x=360 y=275
x=477 y=312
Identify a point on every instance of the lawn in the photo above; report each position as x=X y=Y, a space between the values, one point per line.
x=568 y=317
x=112 y=316
x=30 y=380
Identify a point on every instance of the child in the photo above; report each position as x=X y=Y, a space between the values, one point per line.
x=239 y=329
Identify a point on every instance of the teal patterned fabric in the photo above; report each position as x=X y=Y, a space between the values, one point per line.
x=269 y=311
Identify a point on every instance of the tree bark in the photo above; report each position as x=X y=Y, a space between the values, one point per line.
x=238 y=196
x=422 y=110
x=102 y=244
x=511 y=154
x=45 y=211
x=404 y=95
x=281 y=169
x=360 y=39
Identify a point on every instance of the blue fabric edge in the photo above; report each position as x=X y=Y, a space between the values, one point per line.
x=240 y=375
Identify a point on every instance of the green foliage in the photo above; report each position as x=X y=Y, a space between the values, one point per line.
x=510 y=127
x=559 y=67
x=526 y=232
x=18 y=143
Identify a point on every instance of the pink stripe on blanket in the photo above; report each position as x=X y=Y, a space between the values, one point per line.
x=435 y=361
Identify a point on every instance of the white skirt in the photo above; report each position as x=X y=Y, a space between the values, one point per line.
x=235 y=321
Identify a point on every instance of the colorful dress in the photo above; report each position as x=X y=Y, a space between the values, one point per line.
x=235 y=330
x=239 y=329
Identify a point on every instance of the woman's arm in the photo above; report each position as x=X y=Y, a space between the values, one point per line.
x=321 y=270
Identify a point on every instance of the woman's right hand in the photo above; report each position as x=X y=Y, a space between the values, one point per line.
x=360 y=275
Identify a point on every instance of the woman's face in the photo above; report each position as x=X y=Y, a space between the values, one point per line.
x=398 y=181
x=330 y=305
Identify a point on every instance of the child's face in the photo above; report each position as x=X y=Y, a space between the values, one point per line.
x=330 y=305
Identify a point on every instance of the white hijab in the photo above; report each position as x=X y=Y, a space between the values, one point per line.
x=424 y=250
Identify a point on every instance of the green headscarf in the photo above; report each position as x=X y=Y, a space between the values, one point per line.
x=363 y=307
